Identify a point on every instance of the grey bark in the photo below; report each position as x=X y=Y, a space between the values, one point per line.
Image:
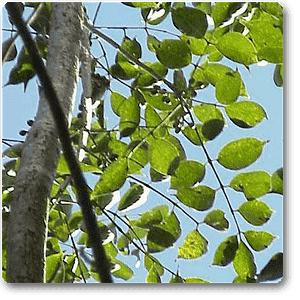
x=27 y=223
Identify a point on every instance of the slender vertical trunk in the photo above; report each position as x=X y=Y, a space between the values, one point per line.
x=26 y=233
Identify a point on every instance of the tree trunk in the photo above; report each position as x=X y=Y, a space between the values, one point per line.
x=28 y=217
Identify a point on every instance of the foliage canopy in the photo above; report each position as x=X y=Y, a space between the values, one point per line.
x=161 y=114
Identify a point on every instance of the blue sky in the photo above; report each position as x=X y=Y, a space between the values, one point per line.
x=18 y=107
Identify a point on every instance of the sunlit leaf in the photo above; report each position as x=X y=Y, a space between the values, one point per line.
x=150 y=261
x=228 y=87
x=174 y=54
x=243 y=262
x=253 y=184
x=259 y=240
x=245 y=114
x=195 y=279
x=238 y=48
x=112 y=178
x=132 y=47
x=277 y=181
x=255 y=212
x=197 y=45
x=121 y=270
x=153 y=276
x=153 y=120
x=194 y=246
x=200 y=198
x=226 y=251
x=240 y=153
x=187 y=174
x=217 y=220
x=162 y=155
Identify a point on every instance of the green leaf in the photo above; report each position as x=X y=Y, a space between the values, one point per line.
x=132 y=47
x=124 y=70
x=200 y=198
x=116 y=100
x=164 y=102
x=162 y=155
x=187 y=174
x=132 y=195
x=238 y=48
x=240 y=153
x=217 y=220
x=255 y=212
x=214 y=72
x=154 y=16
x=150 y=262
x=174 y=54
x=222 y=11
x=244 y=279
x=277 y=181
x=164 y=235
x=152 y=217
x=194 y=135
x=245 y=114
x=191 y=21
x=153 y=276
x=176 y=279
x=179 y=81
x=142 y=4
x=121 y=270
x=278 y=75
x=53 y=263
x=259 y=240
x=5 y=46
x=228 y=87
x=197 y=45
x=226 y=251
x=129 y=116
x=194 y=246
x=273 y=269
x=253 y=184
x=152 y=42
x=212 y=119
x=195 y=279
x=139 y=158
x=243 y=262
x=145 y=79
x=153 y=120
x=112 y=178
x=268 y=39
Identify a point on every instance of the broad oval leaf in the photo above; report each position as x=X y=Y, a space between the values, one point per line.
x=132 y=195
x=153 y=120
x=156 y=15
x=153 y=276
x=238 y=48
x=152 y=42
x=132 y=47
x=200 y=198
x=268 y=40
x=164 y=235
x=121 y=270
x=240 y=153
x=150 y=261
x=228 y=87
x=116 y=101
x=214 y=72
x=277 y=181
x=129 y=116
x=278 y=75
x=174 y=54
x=217 y=220
x=243 y=262
x=252 y=184
x=197 y=45
x=273 y=269
x=245 y=114
x=255 y=212
x=259 y=240
x=162 y=154
x=112 y=178
x=212 y=119
x=226 y=251
x=187 y=174
x=194 y=246
x=191 y=21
